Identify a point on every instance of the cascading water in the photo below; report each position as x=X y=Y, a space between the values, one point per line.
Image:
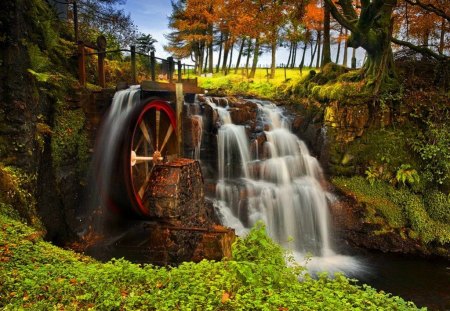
x=107 y=143
x=281 y=187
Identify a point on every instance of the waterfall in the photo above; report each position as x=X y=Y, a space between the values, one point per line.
x=105 y=156
x=281 y=187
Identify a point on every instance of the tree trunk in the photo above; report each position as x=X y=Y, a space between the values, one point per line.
x=206 y=60
x=255 y=59
x=441 y=39
x=303 y=58
x=326 y=58
x=319 y=44
x=344 y=61
x=290 y=54
x=313 y=53
x=354 y=58
x=231 y=58
x=226 y=51
x=339 y=46
x=220 y=53
x=241 y=50
x=249 y=50
x=273 y=64
x=211 y=52
x=294 y=56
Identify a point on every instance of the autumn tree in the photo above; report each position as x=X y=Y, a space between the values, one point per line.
x=192 y=22
x=314 y=22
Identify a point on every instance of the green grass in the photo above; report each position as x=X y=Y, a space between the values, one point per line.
x=36 y=275
x=260 y=86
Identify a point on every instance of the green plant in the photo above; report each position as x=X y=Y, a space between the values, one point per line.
x=406 y=174
x=36 y=275
x=372 y=174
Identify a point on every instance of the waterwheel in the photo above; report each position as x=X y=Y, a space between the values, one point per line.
x=148 y=139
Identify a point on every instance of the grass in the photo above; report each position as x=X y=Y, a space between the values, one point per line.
x=36 y=275
x=260 y=86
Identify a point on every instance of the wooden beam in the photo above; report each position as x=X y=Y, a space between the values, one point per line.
x=180 y=104
x=189 y=87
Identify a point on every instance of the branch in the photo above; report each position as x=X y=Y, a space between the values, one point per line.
x=421 y=50
x=339 y=17
x=430 y=8
x=347 y=8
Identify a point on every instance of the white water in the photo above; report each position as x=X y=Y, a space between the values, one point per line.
x=282 y=189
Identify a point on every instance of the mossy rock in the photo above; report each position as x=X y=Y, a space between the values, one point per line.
x=15 y=195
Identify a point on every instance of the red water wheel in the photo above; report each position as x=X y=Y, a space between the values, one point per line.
x=148 y=140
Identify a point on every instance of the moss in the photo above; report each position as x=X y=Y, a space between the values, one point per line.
x=15 y=193
x=383 y=150
x=437 y=205
x=70 y=140
x=395 y=209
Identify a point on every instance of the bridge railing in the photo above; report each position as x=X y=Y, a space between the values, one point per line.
x=141 y=66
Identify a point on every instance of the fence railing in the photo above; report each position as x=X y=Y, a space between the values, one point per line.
x=158 y=69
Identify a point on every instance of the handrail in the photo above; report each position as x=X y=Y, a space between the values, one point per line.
x=169 y=62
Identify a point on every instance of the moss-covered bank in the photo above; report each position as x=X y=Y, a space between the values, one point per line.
x=43 y=145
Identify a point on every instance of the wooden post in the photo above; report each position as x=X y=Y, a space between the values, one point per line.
x=180 y=103
x=170 y=69
x=153 y=65
x=101 y=69
x=179 y=71
x=75 y=21
x=133 y=64
x=284 y=72
x=81 y=64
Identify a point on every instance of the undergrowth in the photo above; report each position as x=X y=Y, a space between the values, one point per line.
x=36 y=275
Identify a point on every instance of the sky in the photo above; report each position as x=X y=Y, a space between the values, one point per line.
x=151 y=17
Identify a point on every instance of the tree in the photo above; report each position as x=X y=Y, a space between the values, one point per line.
x=371 y=28
x=314 y=22
x=145 y=43
x=326 y=58
x=103 y=17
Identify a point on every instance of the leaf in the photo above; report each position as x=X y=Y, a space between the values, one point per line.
x=225 y=297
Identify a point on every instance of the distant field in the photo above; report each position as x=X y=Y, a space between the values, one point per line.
x=260 y=86
x=263 y=74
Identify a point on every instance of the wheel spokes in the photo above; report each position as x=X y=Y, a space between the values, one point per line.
x=153 y=135
x=158 y=120
x=142 y=189
x=145 y=132
x=166 y=139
